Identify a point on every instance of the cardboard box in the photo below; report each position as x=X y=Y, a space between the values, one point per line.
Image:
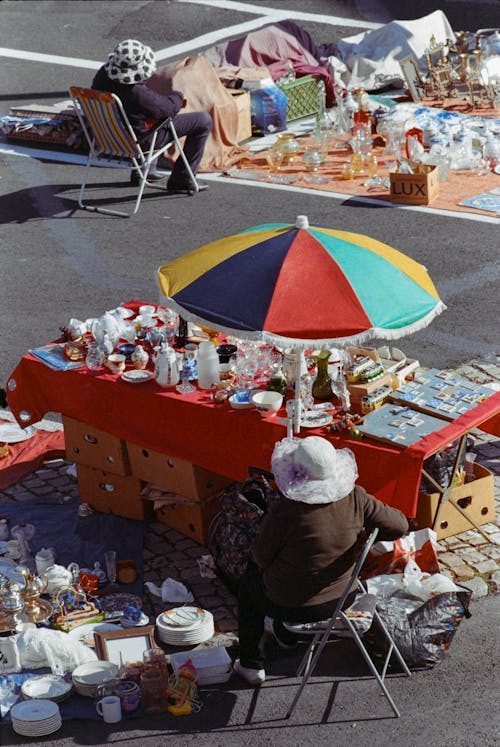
x=476 y=497
x=88 y=445
x=360 y=389
x=415 y=189
x=174 y=475
x=190 y=518
x=242 y=101
x=113 y=494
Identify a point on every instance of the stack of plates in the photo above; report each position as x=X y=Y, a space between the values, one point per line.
x=87 y=677
x=35 y=718
x=185 y=626
x=46 y=686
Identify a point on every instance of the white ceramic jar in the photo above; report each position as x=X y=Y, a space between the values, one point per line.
x=208 y=365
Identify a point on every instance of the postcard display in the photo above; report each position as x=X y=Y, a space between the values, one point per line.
x=421 y=406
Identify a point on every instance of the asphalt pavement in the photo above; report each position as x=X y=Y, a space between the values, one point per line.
x=58 y=262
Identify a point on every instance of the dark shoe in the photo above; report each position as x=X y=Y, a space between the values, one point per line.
x=185 y=189
x=135 y=179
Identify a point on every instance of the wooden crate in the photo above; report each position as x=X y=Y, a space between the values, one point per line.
x=95 y=448
x=173 y=474
x=415 y=189
x=190 y=518
x=112 y=494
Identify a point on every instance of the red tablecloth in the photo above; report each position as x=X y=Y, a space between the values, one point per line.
x=227 y=441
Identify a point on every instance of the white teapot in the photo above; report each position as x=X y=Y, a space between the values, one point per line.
x=109 y=324
x=166 y=367
x=58 y=577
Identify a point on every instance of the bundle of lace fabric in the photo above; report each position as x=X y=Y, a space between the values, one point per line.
x=40 y=647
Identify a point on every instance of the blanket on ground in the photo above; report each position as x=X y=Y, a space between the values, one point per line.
x=200 y=84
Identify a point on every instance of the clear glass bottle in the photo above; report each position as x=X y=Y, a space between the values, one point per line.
x=95 y=356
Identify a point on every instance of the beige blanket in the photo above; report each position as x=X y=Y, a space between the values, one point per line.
x=196 y=78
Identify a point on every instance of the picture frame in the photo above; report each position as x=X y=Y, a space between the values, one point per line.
x=412 y=78
x=124 y=645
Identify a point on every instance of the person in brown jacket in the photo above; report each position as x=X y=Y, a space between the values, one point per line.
x=308 y=545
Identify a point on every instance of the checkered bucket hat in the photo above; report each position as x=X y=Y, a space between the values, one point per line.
x=131 y=62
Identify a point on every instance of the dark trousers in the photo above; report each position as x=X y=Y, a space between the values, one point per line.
x=196 y=127
x=253 y=606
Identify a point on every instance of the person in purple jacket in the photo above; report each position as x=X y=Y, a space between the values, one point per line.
x=125 y=72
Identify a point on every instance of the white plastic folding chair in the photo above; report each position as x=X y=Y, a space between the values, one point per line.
x=324 y=631
x=113 y=143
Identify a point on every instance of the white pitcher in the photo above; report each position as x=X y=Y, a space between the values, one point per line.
x=166 y=367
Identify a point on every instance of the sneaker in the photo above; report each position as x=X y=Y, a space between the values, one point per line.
x=135 y=179
x=187 y=189
x=252 y=676
x=269 y=628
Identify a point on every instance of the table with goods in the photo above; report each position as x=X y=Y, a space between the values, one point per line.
x=157 y=408
x=164 y=409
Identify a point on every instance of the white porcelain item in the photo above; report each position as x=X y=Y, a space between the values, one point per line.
x=166 y=367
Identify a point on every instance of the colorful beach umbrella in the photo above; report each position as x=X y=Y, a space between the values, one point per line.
x=299 y=284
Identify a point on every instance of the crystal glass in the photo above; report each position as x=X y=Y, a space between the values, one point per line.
x=185 y=386
x=110 y=561
x=312 y=159
x=95 y=357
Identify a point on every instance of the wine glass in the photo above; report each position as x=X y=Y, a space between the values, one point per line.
x=110 y=561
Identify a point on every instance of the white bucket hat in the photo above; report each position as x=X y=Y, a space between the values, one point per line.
x=311 y=470
x=131 y=62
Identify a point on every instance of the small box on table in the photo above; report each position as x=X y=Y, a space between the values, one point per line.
x=112 y=494
x=173 y=474
x=190 y=518
x=359 y=390
x=95 y=448
x=415 y=189
x=477 y=498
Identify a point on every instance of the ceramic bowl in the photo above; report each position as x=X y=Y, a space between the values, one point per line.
x=126 y=349
x=267 y=403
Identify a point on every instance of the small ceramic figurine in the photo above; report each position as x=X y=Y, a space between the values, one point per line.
x=139 y=357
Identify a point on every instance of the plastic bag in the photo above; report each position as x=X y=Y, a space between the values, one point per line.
x=392 y=557
x=422 y=613
x=425 y=634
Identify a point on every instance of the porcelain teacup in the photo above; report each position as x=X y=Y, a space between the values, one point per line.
x=115 y=363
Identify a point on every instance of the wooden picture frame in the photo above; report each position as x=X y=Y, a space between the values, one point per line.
x=124 y=645
x=412 y=78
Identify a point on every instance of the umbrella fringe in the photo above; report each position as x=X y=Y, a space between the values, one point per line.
x=302 y=344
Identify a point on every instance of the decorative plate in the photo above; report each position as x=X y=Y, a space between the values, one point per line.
x=183 y=616
x=316 y=419
x=137 y=376
x=46 y=686
x=85 y=633
x=12 y=433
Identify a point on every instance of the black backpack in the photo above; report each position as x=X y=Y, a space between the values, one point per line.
x=237 y=523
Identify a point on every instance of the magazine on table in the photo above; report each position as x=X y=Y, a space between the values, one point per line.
x=54 y=357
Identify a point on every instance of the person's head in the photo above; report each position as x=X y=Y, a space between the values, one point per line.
x=311 y=470
x=131 y=62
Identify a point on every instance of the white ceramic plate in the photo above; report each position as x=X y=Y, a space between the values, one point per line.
x=183 y=616
x=137 y=376
x=34 y=710
x=94 y=672
x=143 y=620
x=497 y=169
x=12 y=433
x=316 y=420
x=48 y=686
x=85 y=633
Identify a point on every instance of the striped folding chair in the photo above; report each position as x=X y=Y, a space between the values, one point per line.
x=113 y=143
